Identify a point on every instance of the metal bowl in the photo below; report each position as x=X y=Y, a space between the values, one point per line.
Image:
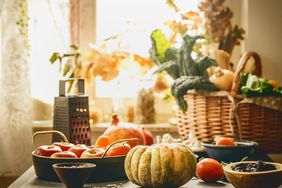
x=230 y=153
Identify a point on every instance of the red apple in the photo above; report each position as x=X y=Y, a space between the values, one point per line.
x=148 y=137
x=78 y=149
x=64 y=154
x=47 y=150
x=93 y=153
x=65 y=146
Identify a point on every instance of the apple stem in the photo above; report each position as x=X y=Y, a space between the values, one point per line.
x=115 y=119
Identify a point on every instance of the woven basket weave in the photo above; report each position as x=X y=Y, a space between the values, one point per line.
x=208 y=115
x=260 y=124
x=222 y=113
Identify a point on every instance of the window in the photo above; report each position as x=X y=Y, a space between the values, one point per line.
x=133 y=21
x=130 y=23
x=49 y=32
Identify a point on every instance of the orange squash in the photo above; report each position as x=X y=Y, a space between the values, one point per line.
x=123 y=131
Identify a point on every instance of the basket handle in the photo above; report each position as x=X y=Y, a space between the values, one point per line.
x=48 y=132
x=117 y=142
x=242 y=63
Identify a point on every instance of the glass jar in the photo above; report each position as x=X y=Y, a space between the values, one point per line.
x=145 y=107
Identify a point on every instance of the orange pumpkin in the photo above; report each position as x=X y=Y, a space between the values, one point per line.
x=121 y=131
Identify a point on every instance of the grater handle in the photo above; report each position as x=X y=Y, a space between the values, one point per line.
x=119 y=141
x=80 y=85
x=48 y=132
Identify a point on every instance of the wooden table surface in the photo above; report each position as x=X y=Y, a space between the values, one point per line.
x=30 y=180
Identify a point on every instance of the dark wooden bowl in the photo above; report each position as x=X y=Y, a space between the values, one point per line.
x=265 y=179
x=74 y=175
x=107 y=169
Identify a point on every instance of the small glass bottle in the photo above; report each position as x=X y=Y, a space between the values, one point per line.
x=145 y=109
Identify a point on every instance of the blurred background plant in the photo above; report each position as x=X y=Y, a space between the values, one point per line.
x=213 y=20
x=97 y=62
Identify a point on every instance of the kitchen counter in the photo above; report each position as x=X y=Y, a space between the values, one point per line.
x=30 y=180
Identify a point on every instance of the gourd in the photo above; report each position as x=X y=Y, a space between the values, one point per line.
x=119 y=131
x=222 y=78
x=160 y=165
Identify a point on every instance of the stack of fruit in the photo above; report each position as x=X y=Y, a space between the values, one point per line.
x=69 y=150
x=113 y=133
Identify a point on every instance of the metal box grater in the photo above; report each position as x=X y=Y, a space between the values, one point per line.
x=71 y=115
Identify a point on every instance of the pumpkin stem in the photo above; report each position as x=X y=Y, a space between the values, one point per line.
x=115 y=119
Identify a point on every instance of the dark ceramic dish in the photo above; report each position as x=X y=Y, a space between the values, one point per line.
x=230 y=153
x=107 y=169
x=74 y=175
x=200 y=153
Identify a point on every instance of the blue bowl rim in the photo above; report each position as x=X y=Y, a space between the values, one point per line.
x=240 y=145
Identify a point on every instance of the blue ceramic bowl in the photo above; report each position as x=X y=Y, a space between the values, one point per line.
x=230 y=153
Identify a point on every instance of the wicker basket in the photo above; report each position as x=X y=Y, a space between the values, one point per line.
x=208 y=115
x=226 y=114
x=260 y=124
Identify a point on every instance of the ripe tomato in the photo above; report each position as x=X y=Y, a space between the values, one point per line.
x=209 y=170
x=224 y=141
x=119 y=149
x=102 y=142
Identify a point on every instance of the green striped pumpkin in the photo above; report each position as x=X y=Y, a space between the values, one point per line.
x=160 y=165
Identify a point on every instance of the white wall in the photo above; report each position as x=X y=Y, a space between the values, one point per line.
x=263 y=22
x=236 y=8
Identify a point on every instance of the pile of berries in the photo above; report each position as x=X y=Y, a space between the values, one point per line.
x=253 y=167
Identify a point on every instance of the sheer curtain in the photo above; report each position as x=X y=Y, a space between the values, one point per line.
x=30 y=31
x=15 y=103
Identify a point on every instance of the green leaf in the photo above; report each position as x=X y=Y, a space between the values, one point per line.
x=160 y=45
x=68 y=55
x=54 y=57
x=243 y=79
x=254 y=86
x=185 y=83
x=245 y=159
x=67 y=67
x=167 y=96
x=171 y=54
x=185 y=60
x=203 y=64
x=73 y=46
x=278 y=90
x=191 y=40
x=171 y=68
